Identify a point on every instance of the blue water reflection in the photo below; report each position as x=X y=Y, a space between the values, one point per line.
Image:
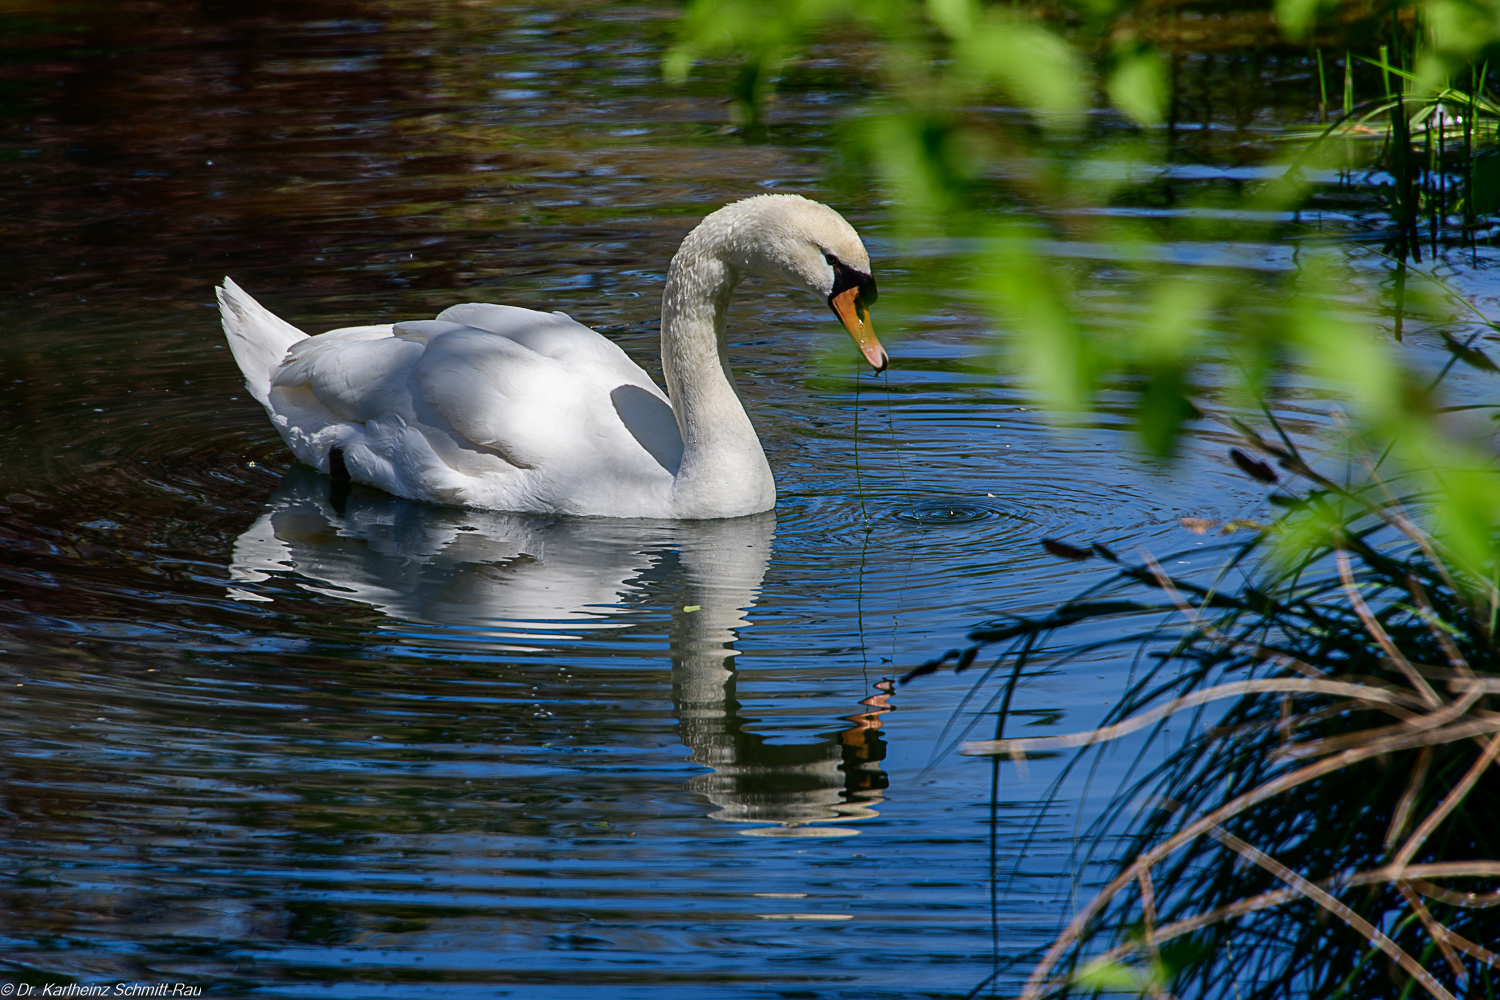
x=525 y=583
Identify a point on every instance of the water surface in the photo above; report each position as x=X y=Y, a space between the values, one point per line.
x=274 y=740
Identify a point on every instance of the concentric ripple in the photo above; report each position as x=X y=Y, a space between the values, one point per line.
x=942 y=513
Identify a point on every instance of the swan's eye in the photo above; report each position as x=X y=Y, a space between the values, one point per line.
x=846 y=277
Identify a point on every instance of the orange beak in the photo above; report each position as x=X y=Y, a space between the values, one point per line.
x=856 y=319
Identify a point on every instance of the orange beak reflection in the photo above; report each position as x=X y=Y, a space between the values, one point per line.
x=856 y=319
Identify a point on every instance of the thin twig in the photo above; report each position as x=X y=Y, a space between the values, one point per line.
x=1169 y=588
x=1363 y=610
x=1431 y=720
x=1267 y=900
x=1408 y=798
x=1449 y=803
x=1290 y=685
x=1178 y=928
x=1148 y=910
x=1430 y=618
x=1469 y=900
x=1338 y=909
x=1437 y=930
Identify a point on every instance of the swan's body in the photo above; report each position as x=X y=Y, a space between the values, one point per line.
x=511 y=409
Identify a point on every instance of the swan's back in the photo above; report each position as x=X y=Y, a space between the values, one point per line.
x=555 y=335
x=488 y=405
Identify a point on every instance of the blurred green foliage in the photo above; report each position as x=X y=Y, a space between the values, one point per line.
x=977 y=98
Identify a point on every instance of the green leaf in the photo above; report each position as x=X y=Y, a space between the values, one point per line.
x=1466 y=516
x=1111 y=977
x=1035 y=66
x=1162 y=409
x=1296 y=17
x=1348 y=353
x=955 y=17
x=1175 y=318
x=1028 y=293
x=1138 y=86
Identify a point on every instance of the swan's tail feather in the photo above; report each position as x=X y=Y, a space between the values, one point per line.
x=258 y=337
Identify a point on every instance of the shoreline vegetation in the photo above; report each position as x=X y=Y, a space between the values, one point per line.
x=1347 y=780
x=1324 y=825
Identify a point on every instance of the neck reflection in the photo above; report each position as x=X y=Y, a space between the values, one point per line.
x=517 y=581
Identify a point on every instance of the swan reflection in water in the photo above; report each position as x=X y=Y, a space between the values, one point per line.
x=519 y=581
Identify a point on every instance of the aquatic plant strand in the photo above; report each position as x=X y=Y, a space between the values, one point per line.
x=1037 y=981
x=1303 y=887
x=1290 y=685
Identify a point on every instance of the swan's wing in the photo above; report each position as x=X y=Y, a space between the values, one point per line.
x=580 y=358
x=557 y=336
x=356 y=374
x=502 y=395
x=429 y=408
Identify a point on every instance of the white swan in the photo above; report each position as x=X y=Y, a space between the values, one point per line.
x=510 y=409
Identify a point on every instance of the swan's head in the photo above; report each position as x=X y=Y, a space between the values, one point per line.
x=785 y=237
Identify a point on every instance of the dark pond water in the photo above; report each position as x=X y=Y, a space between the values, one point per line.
x=262 y=744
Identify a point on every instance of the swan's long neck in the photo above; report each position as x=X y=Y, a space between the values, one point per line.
x=724 y=472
